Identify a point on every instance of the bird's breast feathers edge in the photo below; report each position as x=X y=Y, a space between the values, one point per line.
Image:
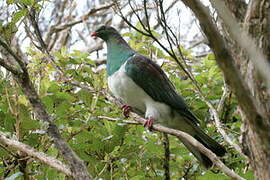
x=124 y=88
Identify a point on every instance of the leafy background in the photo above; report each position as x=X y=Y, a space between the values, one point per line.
x=111 y=150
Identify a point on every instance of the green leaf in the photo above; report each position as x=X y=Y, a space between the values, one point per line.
x=10 y=1
x=4 y=153
x=85 y=97
x=48 y=102
x=211 y=57
x=128 y=34
x=211 y=176
x=156 y=34
x=9 y=122
x=62 y=109
x=27 y=2
x=53 y=87
x=30 y=125
x=249 y=175
x=138 y=177
x=64 y=96
x=18 y=15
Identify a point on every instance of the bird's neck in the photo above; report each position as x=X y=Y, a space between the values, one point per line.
x=118 y=52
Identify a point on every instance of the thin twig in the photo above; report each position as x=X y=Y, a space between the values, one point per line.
x=81 y=19
x=118 y=119
x=223 y=98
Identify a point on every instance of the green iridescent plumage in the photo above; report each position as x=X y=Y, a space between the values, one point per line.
x=145 y=87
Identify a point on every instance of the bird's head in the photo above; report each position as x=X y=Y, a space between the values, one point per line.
x=105 y=32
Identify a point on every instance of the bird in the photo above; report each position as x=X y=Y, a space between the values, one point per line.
x=143 y=87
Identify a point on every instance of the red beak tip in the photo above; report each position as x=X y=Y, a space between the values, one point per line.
x=93 y=34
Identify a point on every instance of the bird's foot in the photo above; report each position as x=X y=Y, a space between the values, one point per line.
x=149 y=123
x=126 y=110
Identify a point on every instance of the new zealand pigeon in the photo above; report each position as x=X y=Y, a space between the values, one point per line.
x=143 y=87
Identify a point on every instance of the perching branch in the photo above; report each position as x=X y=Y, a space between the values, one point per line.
x=186 y=137
x=50 y=161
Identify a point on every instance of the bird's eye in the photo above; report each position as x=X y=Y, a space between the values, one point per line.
x=102 y=28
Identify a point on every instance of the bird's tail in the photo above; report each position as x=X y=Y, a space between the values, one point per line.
x=209 y=143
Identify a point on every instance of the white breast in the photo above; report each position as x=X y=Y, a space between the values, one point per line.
x=124 y=88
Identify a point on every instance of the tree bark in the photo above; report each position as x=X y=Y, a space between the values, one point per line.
x=238 y=8
x=257 y=23
x=252 y=94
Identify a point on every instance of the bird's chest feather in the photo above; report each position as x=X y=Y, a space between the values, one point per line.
x=124 y=88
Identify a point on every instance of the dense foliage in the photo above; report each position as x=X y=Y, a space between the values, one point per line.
x=111 y=150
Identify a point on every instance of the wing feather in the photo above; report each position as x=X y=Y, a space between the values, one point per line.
x=149 y=76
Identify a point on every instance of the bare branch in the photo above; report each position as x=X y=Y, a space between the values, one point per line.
x=97 y=46
x=81 y=19
x=52 y=162
x=197 y=43
x=9 y=50
x=9 y=67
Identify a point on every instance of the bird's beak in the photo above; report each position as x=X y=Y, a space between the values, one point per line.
x=94 y=34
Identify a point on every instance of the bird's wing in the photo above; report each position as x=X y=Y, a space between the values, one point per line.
x=151 y=78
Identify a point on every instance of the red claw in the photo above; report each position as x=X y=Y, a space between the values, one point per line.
x=149 y=123
x=126 y=110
